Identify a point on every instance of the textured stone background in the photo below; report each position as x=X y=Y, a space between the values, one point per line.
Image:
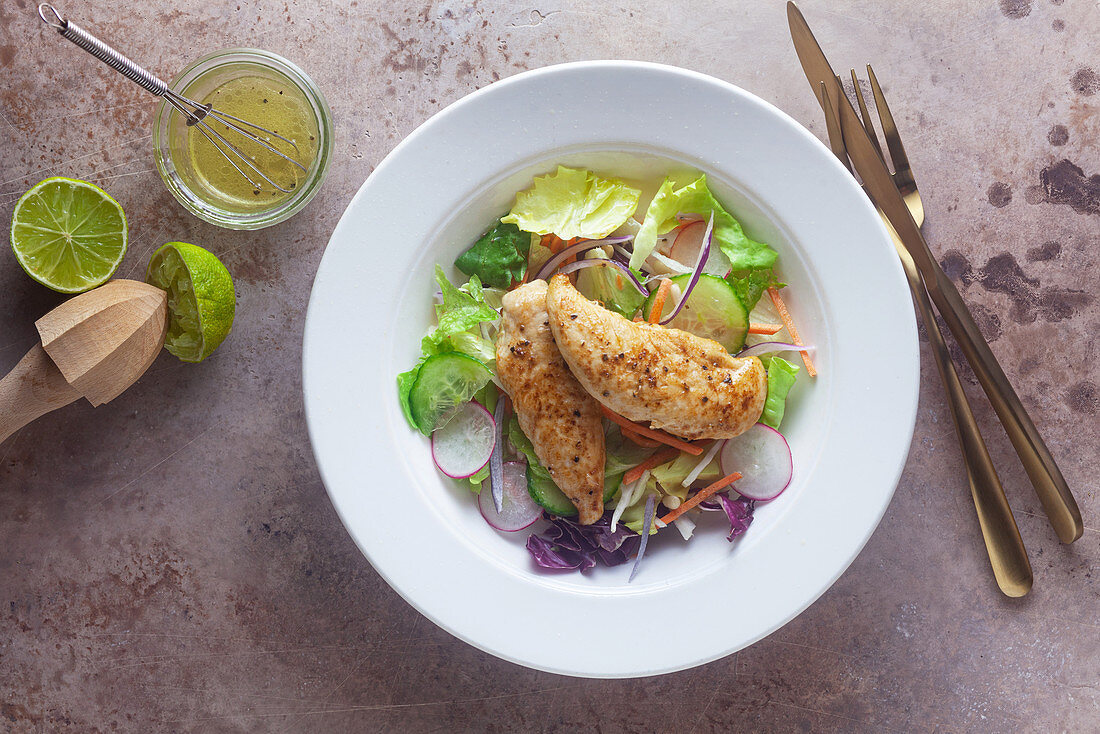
x=170 y=561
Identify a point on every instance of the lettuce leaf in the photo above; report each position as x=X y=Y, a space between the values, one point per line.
x=573 y=203
x=405 y=382
x=669 y=476
x=749 y=285
x=693 y=197
x=609 y=286
x=460 y=311
x=499 y=257
x=781 y=377
x=460 y=314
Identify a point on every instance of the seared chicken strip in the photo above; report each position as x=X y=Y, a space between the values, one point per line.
x=679 y=382
x=561 y=419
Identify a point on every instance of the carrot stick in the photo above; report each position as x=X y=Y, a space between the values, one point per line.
x=650 y=433
x=653 y=461
x=643 y=442
x=786 y=316
x=767 y=329
x=701 y=495
x=659 y=300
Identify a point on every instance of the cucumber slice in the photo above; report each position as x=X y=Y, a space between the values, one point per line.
x=543 y=491
x=444 y=381
x=712 y=311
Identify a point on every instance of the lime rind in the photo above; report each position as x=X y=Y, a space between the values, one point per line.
x=69 y=235
x=201 y=299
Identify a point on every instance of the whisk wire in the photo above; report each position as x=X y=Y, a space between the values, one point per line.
x=183 y=111
x=194 y=112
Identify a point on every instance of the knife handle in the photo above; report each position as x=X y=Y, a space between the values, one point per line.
x=1003 y=543
x=1054 y=494
x=33 y=388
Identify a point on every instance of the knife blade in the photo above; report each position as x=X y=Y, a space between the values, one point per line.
x=1050 y=486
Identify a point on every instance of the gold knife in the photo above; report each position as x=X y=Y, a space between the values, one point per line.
x=1054 y=494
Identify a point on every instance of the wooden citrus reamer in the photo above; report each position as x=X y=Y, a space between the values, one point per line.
x=94 y=346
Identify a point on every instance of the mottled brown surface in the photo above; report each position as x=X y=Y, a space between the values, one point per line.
x=664 y=378
x=171 y=562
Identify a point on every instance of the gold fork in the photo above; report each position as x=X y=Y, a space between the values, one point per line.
x=1002 y=539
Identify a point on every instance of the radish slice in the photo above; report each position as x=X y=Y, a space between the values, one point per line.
x=762 y=455
x=464 y=444
x=519 y=510
x=685 y=248
x=701 y=259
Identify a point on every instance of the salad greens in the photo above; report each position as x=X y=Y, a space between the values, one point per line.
x=499 y=257
x=781 y=377
x=458 y=358
x=462 y=310
x=749 y=285
x=609 y=287
x=574 y=203
x=678 y=196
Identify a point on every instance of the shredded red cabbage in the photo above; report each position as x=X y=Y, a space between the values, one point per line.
x=739 y=512
x=568 y=545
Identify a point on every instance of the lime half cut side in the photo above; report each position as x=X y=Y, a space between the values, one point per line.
x=201 y=300
x=69 y=235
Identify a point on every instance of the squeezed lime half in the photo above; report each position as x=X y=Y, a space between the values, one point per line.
x=201 y=300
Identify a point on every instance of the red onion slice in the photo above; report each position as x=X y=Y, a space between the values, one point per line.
x=551 y=266
x=704 y=252
x=519 y=510
x=647 y=523
x=573 y=267
x=496 y=459
x=769 y=347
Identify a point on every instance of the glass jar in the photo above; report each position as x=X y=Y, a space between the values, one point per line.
x=268 y=91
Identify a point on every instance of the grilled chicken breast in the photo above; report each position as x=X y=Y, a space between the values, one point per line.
x=678 y=382
x=561 y=419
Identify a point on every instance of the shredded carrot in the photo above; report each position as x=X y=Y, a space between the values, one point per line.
x=641 y=430
x=767 y=329
x=643 y=442
x=659 y=300
x=653 y=461
x=701 y=495
x=786 y=316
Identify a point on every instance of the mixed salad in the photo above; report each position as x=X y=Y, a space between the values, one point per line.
x=684 y=262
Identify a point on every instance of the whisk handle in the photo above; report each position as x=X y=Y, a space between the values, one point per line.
x=109 y=56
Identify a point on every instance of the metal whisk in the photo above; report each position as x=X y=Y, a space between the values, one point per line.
x=197 y=114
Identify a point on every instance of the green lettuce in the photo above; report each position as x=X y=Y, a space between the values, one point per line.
x=621 y=454
x=749 y=285
x=462 y=309
x=670 y=476
x=677 y=195
x=781 y=377
x=573 y=203
x=610 y=287
x=459 y=315
x=405 y=382
x=499 y=257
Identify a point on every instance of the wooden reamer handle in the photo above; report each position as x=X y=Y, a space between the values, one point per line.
x=33 y=388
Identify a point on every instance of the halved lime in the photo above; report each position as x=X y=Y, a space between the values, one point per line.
x=201 y=300
x=68 y=235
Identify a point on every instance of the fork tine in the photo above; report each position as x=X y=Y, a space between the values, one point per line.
x=866 y=116
x=890 y=132
x=832 y=125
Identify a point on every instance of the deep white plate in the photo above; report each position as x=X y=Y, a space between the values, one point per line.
x=849 y=429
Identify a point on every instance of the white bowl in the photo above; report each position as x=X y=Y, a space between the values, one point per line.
x=849 y=429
